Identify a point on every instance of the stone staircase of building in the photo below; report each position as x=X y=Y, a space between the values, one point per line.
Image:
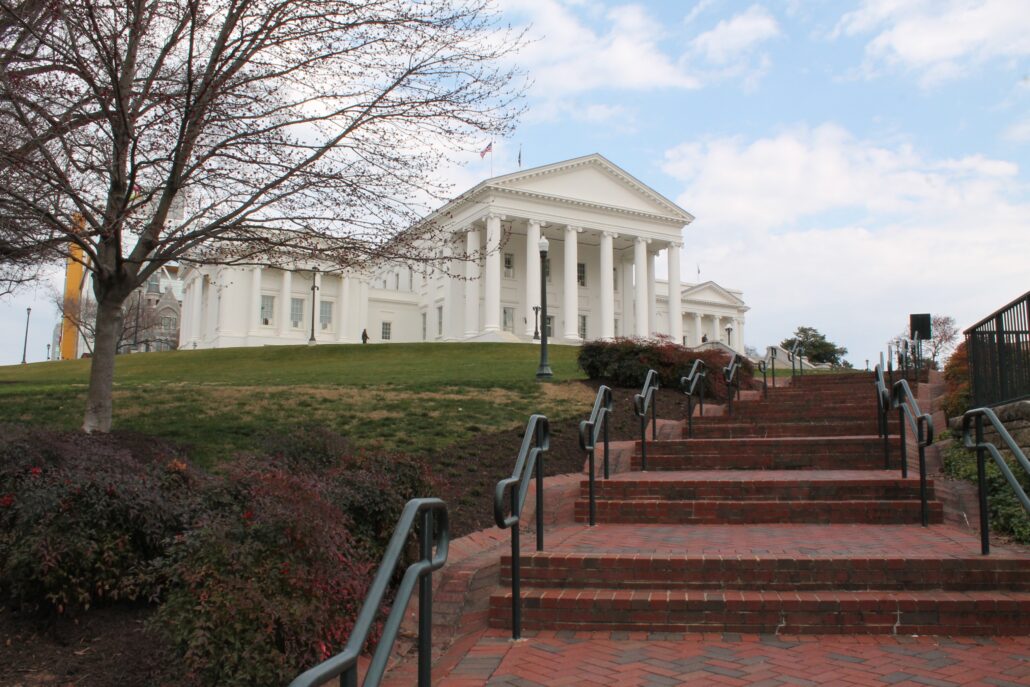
x=779 y=519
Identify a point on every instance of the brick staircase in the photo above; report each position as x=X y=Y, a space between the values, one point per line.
x=780 y=519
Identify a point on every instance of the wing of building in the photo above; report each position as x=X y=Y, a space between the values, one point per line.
x=604 y=229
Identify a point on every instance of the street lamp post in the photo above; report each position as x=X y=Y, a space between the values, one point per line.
x=544 y=371
x=729 y=330
x=314 y=289
x=536 y=323
x=25 y=346
x=48 y=351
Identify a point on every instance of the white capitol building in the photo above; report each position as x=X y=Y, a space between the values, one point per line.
x=604 y=229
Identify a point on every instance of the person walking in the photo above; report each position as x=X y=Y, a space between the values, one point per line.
x=364 y=336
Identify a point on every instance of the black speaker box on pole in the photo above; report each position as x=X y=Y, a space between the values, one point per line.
x=919 y=327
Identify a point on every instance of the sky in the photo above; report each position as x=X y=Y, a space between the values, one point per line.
x=848 y=163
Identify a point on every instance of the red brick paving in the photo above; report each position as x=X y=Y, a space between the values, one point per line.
x=549 y=659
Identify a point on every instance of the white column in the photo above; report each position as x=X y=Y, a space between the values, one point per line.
x=343 y=315
x=492 y=282
x=607 y=286
x=532 y=272
x=738 y=327
x=698 y=331
x=675 y=292
x=472 y=283
x=640 y=286
x=570 y=289
x=285 y=294
x=652 y=296
x=198 y=312
x=254 y=316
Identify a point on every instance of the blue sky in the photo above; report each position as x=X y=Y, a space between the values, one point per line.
x=848 y=162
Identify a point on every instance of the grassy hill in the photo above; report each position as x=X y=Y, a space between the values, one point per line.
x=410 y=397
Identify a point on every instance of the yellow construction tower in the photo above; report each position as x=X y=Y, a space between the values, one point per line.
x=74 y=274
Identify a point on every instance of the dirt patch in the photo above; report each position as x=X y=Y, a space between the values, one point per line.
x=106 y=647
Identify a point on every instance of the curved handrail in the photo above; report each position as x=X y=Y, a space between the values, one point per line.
x=883 y=405
x=922 y=425
x=527 y=465
x=435 y=538
x=589 y=431
x=641 y=402
x=975 y=417
x=729 y=375
x=698 y=373
x=796 y=353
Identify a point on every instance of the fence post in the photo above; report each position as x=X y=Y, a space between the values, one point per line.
x=425 y=604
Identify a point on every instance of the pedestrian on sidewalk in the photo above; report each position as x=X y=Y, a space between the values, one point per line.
x=364 y=336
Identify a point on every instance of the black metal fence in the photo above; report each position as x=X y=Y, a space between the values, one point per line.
x=999 y=354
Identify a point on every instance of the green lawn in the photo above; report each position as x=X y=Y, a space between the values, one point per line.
x=410 y=397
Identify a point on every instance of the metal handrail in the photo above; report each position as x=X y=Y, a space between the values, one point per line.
x=883 y=406
x=796 y=353
x=765 y=379
x=729 y=375
x=922 y=425
x=434 y=538
x=641 y=402
x=698 y=374
x=976 y=416
x=530 y=463
x=589 y=431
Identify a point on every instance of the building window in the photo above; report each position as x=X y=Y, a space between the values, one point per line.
x=616 y=328
x=439 y=320
x=396 y=281
x=549 y=325
x=581 y=273
x=424 y=329
x=267 y=309
x=547 y=270
x=615 y=279
x=297 y=312
x=325 y=315
x=509 y=319
x=169 y=322
x=509 y=265
x=387 y=327
x=583 y=327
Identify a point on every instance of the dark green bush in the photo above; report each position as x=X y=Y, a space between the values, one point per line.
x=372 y=491
x=624 y=362
x=306 y=447
x=266 y=586
x=959 y=396
x=1007 y=515
x=81 y=519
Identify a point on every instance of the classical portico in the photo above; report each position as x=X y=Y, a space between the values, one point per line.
x=605 y=230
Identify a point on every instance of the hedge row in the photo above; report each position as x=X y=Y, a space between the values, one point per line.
x=624 y=362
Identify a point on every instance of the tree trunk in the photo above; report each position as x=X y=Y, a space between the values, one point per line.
x=110 y=319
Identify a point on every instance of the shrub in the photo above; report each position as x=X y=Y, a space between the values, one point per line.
x=268 y=585
x=81 y=518
x=956 y=376
x=624 y=362
x=1007 y=515
x=372 y=491
x=307 y=447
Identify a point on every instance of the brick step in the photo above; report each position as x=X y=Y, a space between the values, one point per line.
x=769 y=572
x=740 y=417
x=722 y=512
x=760 y=612
x=732 y=430
x=769 y=485
x=767 y=454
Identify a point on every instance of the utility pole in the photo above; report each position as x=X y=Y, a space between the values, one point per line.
x=25 y=346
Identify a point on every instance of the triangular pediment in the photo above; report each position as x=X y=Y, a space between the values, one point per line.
x=593 y=180
x=710 y=292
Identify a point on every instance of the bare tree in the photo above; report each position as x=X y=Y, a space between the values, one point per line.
x=284 y=129
x=944 y=332
x=140 y=329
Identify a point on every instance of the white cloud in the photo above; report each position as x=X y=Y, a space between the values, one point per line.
x=940 y=39
x=568 y=57
x=822 y=228
x=1019 y=132
x=736 y=36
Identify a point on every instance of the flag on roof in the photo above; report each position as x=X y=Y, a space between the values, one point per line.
x=488 y=149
